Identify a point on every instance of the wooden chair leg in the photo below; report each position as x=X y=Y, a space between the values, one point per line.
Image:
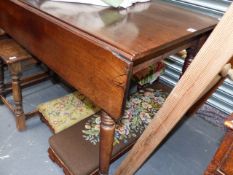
x=15 y=70
x=107 y=131
x=1 y=80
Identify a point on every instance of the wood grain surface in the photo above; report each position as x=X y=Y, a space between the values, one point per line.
x=96 y=55
x=137 y=32
x=222 y=162
x=215 y=53
x=93 y=70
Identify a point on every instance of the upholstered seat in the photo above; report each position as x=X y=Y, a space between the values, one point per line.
x=76 y=149
x=66 y=111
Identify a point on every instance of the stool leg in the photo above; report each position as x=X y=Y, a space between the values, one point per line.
x=107 y=131
x=15 y=70
x=1 y=80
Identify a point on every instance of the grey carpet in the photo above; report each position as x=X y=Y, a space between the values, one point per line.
x=212 y=115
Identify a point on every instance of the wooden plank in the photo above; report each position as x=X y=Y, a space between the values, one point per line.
x=81 y=61
x=205 y=97
x=215 y=53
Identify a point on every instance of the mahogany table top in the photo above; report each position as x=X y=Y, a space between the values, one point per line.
x=135 y=32
x=95 y=49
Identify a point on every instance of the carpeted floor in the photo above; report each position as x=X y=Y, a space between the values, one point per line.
x=212 y=115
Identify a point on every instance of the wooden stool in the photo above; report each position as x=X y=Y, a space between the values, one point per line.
x=77 y=156
x=16 y=58
x=66 y=111
x=76 y=149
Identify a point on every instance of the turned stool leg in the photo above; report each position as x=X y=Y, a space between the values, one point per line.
x=15 y=70
x=1 y=79
x=107 y=131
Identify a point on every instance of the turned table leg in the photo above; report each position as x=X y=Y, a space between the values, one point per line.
x=191 y=53
x=107 y=131
x=1 y=79
x=15 y=70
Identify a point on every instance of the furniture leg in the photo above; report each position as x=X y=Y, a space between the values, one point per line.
x=1 y=79
x=54 y=77
x=192 y=52
x=107 y=131
x=15 y=70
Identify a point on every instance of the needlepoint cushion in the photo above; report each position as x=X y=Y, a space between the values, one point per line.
x=150 y=74
x=66 y=111
x=140 y=110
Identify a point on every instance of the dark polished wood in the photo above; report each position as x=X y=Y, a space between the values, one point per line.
x=107 y=130
x=17 y=59
x=143 y=28
x=97 y=49
x=55 y=158
x=222 y=162
x=85 y=47
x=192 y=51
x=12 y=52
x=15 y=70
x=100 y=72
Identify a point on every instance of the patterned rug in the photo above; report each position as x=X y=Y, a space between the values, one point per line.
x=140 y=110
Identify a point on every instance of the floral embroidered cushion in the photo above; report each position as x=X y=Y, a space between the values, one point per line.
x=66 y=111
x=140 y=109
x=150 y=74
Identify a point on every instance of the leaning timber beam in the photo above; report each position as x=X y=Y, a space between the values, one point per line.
x=215 y=53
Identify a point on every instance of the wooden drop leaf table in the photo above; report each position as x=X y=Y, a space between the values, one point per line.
x=97 y=49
